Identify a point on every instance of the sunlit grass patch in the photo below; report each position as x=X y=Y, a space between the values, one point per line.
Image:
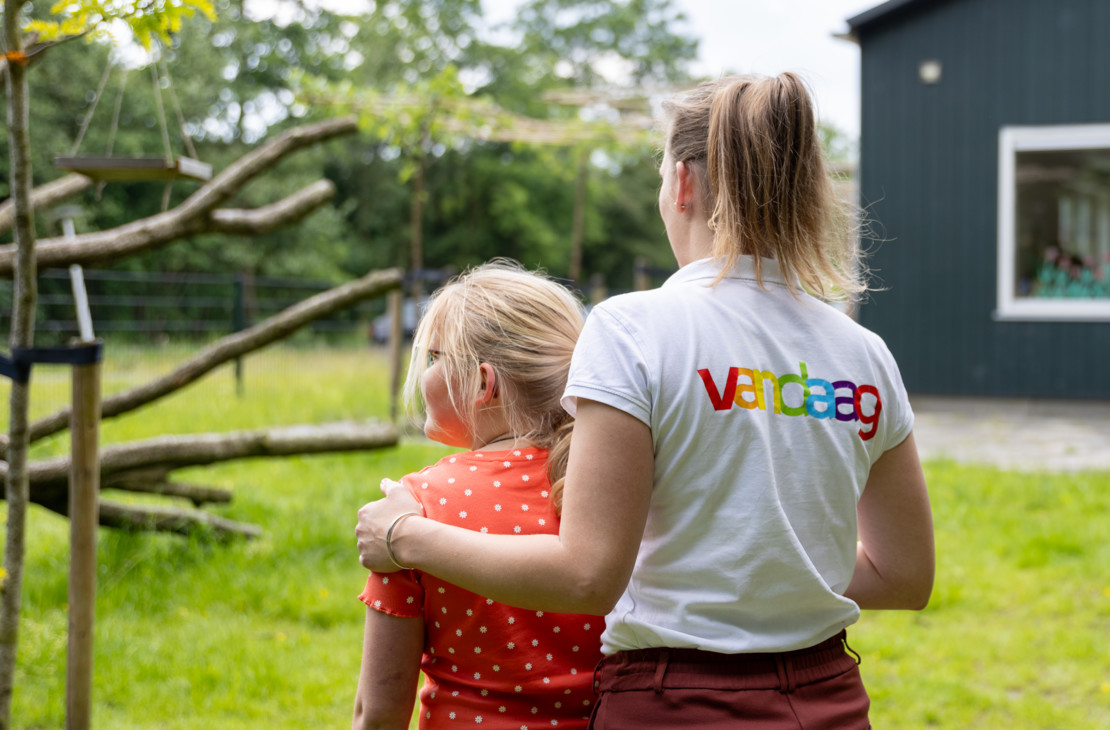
x=1015 y=635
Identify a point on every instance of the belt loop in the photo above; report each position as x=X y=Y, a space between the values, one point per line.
x=850 y=650
x=661 y=669
x=597 y=676
x=784 y=667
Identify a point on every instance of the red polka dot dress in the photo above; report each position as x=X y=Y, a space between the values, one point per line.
x=486 y=663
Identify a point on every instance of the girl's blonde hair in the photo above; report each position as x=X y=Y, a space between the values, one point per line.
x=754 y=147
x=525 y=325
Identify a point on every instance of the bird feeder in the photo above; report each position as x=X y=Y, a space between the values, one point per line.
x=124 y=169
x=166 y=167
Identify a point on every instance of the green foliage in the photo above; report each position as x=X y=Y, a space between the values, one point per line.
x=839 y=147
x=419 y=119
x=403 y=43
x=199 y=633
x=148 y=20
x=486 y=197
x=577 y=39
x=430 y=92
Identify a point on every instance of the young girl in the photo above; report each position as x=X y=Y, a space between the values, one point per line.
x=489 y=363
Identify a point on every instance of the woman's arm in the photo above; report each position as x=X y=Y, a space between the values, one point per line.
x=391 y=651
x=584 y=569
x=895 y=561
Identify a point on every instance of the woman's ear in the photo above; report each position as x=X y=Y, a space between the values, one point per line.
x=488 y=389
x=683 y=185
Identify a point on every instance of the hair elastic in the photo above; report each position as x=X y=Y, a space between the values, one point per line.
x=389 y=536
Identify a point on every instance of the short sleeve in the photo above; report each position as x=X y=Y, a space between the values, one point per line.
x=900 y=422
x=397 y=594
x=609 y=366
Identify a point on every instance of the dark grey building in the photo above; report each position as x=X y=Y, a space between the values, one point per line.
x=985 y=163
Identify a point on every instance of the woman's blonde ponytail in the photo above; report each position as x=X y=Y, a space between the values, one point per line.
x=755 y=143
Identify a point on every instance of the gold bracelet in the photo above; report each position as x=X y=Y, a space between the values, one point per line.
x=389 y=536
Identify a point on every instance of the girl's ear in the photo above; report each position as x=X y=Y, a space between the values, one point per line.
x=488 y=389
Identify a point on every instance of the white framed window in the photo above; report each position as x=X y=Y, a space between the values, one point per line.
x=1054 y=223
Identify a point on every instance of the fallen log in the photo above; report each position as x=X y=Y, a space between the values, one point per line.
x=119 y=464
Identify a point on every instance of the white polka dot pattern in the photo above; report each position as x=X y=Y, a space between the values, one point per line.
x=496 y=652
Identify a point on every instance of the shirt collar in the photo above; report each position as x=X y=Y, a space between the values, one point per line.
x=709 y=268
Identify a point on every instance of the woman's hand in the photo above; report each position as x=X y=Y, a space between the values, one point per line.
x=374 y=520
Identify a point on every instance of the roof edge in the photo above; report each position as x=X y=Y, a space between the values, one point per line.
x=876 y=13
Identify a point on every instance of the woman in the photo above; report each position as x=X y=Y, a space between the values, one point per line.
x=743 y=477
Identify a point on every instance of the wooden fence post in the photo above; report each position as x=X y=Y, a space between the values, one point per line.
x=395 y=307
x=238 y=323
x=640 y=276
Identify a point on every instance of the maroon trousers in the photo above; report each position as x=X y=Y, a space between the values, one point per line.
x=818 y=688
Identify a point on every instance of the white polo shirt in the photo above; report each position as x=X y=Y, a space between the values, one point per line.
x=767 y=411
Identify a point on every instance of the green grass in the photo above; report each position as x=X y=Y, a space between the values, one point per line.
x=267 y=633
x=1018 y=630
x=201 y=633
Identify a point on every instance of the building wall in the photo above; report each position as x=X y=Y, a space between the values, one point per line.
x=929 y=180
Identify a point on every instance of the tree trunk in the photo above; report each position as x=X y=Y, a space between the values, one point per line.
x=416 y=221
x=23 y=332
x=578 y=221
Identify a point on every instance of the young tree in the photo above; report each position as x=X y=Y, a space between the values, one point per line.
x=23 y=329
x=148 y=21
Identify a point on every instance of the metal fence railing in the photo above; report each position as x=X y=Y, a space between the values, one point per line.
x=152 y=321
x=159 y=306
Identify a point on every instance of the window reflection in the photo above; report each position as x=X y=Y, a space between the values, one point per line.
x=1062 y=224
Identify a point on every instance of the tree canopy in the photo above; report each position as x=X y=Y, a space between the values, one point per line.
x=510 y=126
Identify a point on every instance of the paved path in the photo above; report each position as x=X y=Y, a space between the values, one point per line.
x=1019 y=434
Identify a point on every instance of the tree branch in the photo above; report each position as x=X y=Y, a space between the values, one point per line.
x=191 y=217
x=156 y=481
x=45 y=196
x=270 y=330
x=49 y=479
x=273 y=216
x=179 y=520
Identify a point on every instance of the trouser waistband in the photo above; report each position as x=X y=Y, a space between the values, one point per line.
x=660 y=668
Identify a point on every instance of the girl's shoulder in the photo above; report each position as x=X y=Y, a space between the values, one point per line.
x=499 y=491
x=524 y=454
x=467 y=464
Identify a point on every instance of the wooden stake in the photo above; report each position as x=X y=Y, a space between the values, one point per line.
x=83 y=520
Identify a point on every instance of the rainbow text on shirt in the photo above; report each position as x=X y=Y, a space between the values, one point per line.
x=815 y=397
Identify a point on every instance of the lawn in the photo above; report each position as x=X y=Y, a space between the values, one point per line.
x=198 y=633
